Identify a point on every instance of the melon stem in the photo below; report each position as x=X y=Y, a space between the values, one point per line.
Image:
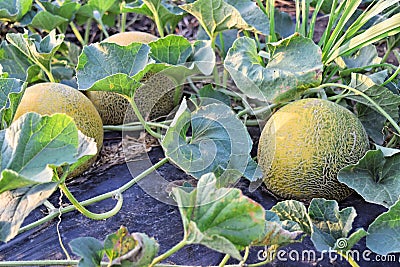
x=142 y=120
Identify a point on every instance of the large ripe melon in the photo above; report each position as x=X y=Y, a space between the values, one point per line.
x=304 y=145
x=154 y=99
x=51 y=98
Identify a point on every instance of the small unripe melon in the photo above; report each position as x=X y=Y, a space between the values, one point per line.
x=51 y=98
x=157 y=97
x=304 y=145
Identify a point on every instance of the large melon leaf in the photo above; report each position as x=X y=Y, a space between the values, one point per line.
x=111 y=67
x=376 y=177
x=331 y=226
x=293 y=65
x=218 y=15
x=222 y=219
x=219 y=144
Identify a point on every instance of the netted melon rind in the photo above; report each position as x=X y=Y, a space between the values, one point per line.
x=304 y=145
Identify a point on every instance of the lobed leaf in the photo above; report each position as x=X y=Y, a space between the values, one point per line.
x=14 y=10
x=140 y=255
x=219 y=143
x=294 y=211
x=331 y=226
x=217 y=15
x=375 y=177
x=278 y=233
x=31 y=148
x=384 y=232
x=108 y=66
x=222 y=219
x=14 y=62
x=111 y=67
x=40 y=51
x=172 y=50
x=294 y=65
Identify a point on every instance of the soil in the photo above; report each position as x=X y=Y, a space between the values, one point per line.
x=141 y=212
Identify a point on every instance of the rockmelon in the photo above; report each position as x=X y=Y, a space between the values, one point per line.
x=304 y=145
x=51 y=98
x=157 y=97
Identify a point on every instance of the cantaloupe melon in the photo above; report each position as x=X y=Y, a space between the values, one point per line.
x=304 y=145
x=157 y=97
x=51 y=98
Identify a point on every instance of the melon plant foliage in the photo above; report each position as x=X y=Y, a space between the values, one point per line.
x=248 y=60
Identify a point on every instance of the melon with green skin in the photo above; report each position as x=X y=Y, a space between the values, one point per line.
x=51 y=98
x=157 y=97
x=304 y=145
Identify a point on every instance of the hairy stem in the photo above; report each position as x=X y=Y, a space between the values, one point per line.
x=174 y=249
x=142 y=120
x=349 y=258
x=94 y=199
x=224 y=260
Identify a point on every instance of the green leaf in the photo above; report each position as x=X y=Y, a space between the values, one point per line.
x=38 y=50
x=284 y=24
x=387 y=100
x=14 y=62
x=14 y=10
x=34 y=143
x=119 y=243
x=101 y=5
x=217 y=15
x=172 y=49
x=278 y=233
x=11 y=91
x=366 y=56
x=15 y=206
x=330 y=225
x=219 y=143
x=252 y=15
x=169 y=15
x=47 y=21
x=294 y=211
x=375 y=177
x=384 y=233
x=294 y=65
x=221 y=219
x=89 y=249
x=208 y=95
x=67 y=9
x=141 y=254
x=108 y=66
x=373 y=122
